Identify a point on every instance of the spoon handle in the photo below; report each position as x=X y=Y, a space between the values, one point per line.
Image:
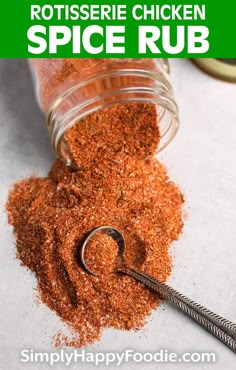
x=223 y=329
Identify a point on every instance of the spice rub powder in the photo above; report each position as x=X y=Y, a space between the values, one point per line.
x=51 y=216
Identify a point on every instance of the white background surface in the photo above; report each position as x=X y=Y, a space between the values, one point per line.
x=201 y=160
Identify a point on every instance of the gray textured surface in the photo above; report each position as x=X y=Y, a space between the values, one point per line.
x=201 y=159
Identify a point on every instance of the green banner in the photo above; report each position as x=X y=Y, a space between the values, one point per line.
x=120 y=28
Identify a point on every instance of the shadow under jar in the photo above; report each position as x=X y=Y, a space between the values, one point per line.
x=69 y=90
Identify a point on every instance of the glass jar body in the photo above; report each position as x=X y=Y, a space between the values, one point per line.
x=70 y=89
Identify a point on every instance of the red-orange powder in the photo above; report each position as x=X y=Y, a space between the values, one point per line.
x=114 y=186
x=101 y=254
x=114 y=133
x=51 y=215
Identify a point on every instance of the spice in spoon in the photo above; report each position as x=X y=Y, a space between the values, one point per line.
x=101 y=254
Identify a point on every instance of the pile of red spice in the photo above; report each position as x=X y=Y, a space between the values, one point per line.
x=52 y=215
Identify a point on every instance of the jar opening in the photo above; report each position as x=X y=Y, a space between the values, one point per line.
x=120 y=87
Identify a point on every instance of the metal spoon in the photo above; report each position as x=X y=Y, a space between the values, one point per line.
x=223 y=329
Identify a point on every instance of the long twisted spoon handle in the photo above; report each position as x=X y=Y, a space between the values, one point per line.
x=223 y=329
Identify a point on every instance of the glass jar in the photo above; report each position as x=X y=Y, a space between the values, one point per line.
x=70 y=89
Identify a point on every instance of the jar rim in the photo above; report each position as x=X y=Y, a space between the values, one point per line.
x=160 y=94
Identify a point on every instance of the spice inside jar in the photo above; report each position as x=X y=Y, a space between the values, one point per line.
x=76 y=93
x=115 y=132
